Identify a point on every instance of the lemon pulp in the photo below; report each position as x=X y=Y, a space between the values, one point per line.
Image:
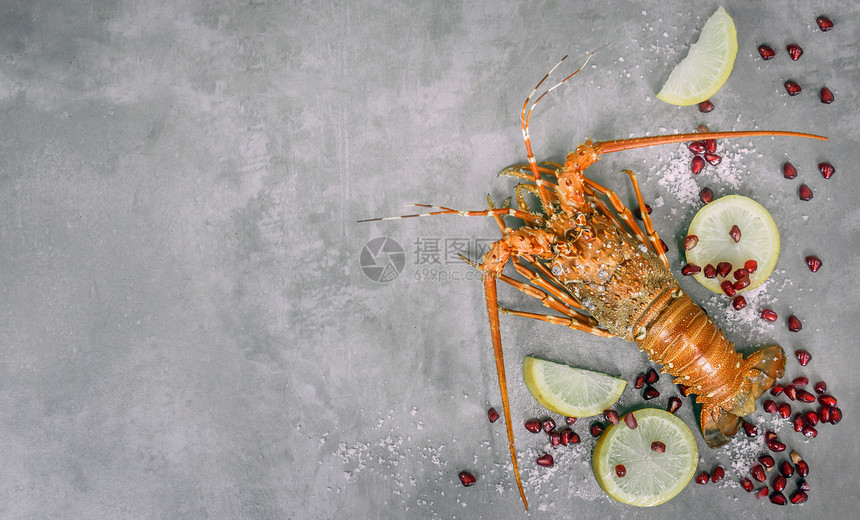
x=574 y=392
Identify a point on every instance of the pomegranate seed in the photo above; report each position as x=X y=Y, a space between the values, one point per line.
x=565 y=435
x=658 y=446
x=802 y=468
x=804 y=396
x=710 y=145
x=827 y=400
x=779 y=483
x=638 y=212
x=741 y=273
x=769 y=315
x=724 y=268
x=703 y=478
x=533 y=425
x=804 y=192
x=574 y=438
x=697 y=164
x=739 y=302
x=757 y=473
x=713 y=159
x=800 y=381
x=802 y=485
x=718 y=474
x=706 y=195
x=674 y=404
x=794 y=324
x=630 y=421
x=746 y=484
x=545 y=460
x=611 y=416
x=803 y=357
x=784 y=410
x=827 y=170
x=824 y=23
x=820 y=387
x=766 y=52
x=824 y=414
x=786 y=469
x=769 y=406
x=620 y=470
x=554 y=439
x=548 y=425
x=835 y=415
x=466 y=478
x=767 y=461
x=811 y=417
x=684 y=390
x=596 y=429
x=762 y=492
x=653 y=376
x=640 y=381
x=570 y=420
x=664 y=246
x=735 y=233
x=697 y=147
x=751 y=266
x=776 y=390
x=750 y=429
x=798 y=423
x=790 y=392
x=710 y=271
x=794 y=51
x=650 y=393
x=492 y=415
x=690 y=242
x=728 y=288
x=741 y=284
x=792 y=88
x=810 y=432
x=826 y=95
x=798 y=497
x=778 y=498
x=690 y=269
x=814 y=263
x=706 y=106
x=775 y=446
x=769 y=436
x=789 y=171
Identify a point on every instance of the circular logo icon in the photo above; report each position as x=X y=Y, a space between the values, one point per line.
x=382 y=259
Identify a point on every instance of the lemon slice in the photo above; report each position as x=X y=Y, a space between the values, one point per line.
x=574 y=392
x=650 y=477
x=707 y=65
x=759 y=239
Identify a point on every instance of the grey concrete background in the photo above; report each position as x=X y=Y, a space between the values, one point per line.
x=186 y=328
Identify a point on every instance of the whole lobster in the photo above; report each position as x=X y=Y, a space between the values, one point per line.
x=580 y=261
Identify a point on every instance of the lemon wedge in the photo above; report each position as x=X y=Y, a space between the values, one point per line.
x=574 y=392
x=707 y=65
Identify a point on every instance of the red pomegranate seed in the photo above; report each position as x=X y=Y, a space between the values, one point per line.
x=814 y=263
x=533 y=425
x=596 y=429
x=776 y=390
x=769 y=315
x=611 y=416
x=684 y=390
x=809 y=431
x=750 y=429
x=784 y=410
x=811 y=417
x=650 y=393
x=804 y=192
x=570 y=420
x=826 y=95
x=545 y=460
x=690 y=242
x=640 y=381
x=713 y=159
x=703 y=478
x=762 y=492
x=767 y=461
x=789 y=171
x=741 y=273
x=775 y=446
x=548 y=425
x=658 y=446
x=769 y=406
x=674 y=404
x=794 y=51
x=706 y=195
x=835 y=415
x=820 y=387
x=769 y=436
x=798 y=422
x=778 y=498
x=697 y=147
x=741 y=284
x=710 y=145
x=790 y=391
x=751 y=266
x=739 y=302
x=792 y=88
x=728 y=288
x=554 y=439
x=757 y=473
x=824 y=23
x=638 y=212
x=710 y=271
x=620 y=470
x=798 y=497
x=724 y=268
x=653 y=376
x=690 y=269
x=735 y=233
x=827 y=170
x=696 y=165
x=746 y=484
x=630 y=421
x=786 y=469
x=824 y=414
x=803 y=357
x=802 y=468
x=827 y=400
x=718 y=474
x=766 y=52
x=778 y=483
x=794 y=324
x=492 y=415
x=804 y=396
x=706 y=106
x=565 y=435
x=466 y=478
x=802 y=485
x=574 y=438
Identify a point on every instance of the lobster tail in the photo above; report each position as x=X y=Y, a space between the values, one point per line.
x=763 y=368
